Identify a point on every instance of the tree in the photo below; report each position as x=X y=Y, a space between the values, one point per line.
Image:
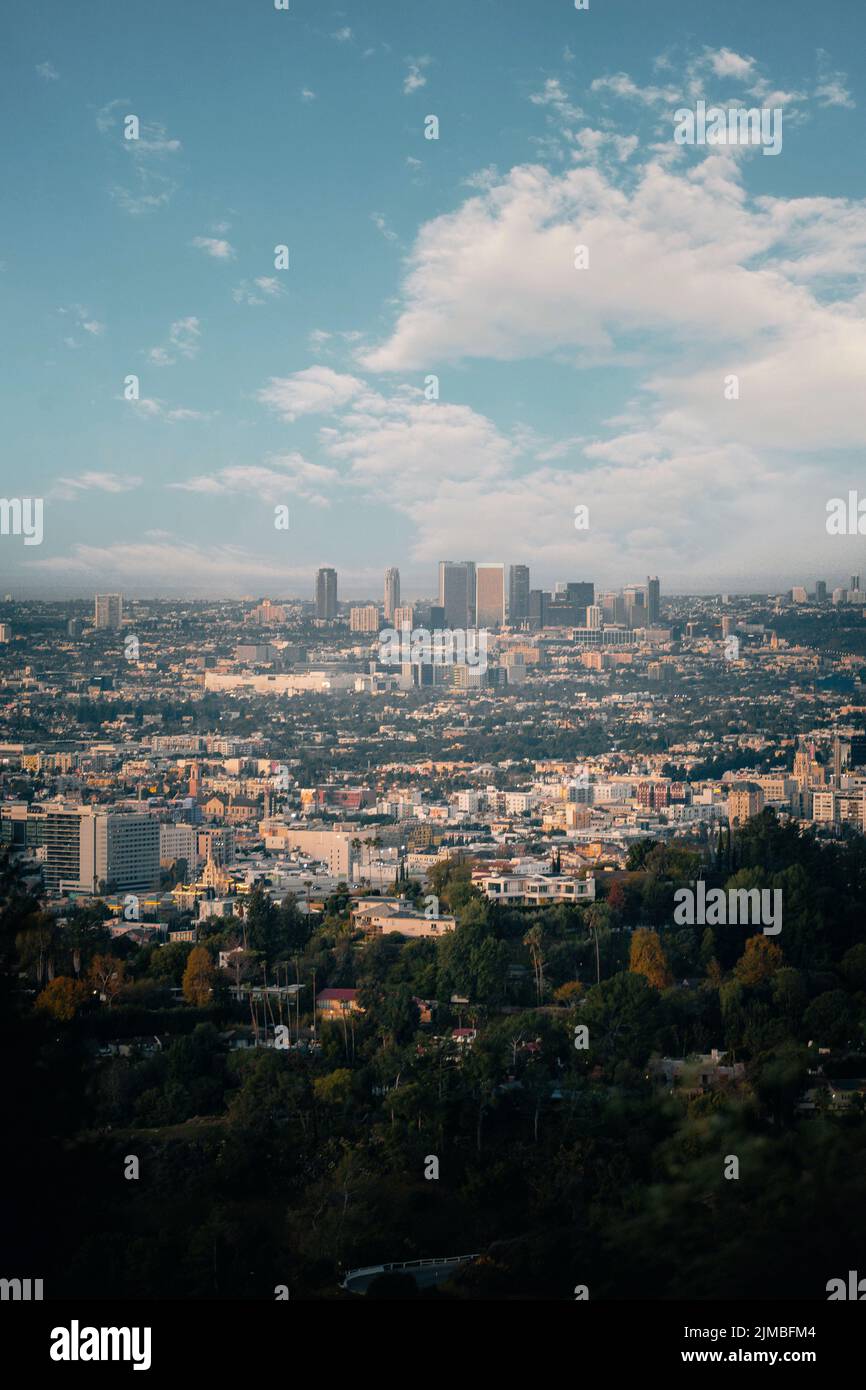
x=622 y=1016
x=199 y=976
x=647 y=958
x=335 y=1088
x=107 y=975
x=61 y=998
x=829 y=1019
x=759 y=962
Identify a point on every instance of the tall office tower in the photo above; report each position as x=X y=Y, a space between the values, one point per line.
x=326 y=594
x=108 y=610
x=490 y=594
x=581 y=595
x=538 y=603
x=612 y=607
x=654 y=601
x=392 y=593
x=471 y=605
x=820 y=591
x=518 y=593
x=454 y=592
x=593 y=617
x=86 y=846
x=364 y=619
x=855 y=582
x=635 y=597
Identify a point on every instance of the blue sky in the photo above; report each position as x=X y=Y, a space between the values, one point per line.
x=411 y=257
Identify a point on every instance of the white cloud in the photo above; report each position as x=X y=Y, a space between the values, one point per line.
x=414 y=80
x=315 y=391
x=343 y=35
x=83 y=320
x=307 y=94
x=258 y=291
x=69 y=489
x=725 y=63
x=170 y=565
x=183 y=341
x=218 y=249
x=832 y=88
x=152 y=408
x=280 y=476
x=47 y=71
x=153 y=188
x=381 y=222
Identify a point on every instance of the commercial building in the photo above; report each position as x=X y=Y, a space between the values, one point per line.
x=88 y=849
x=326 y=595
x=364 y=618
x=518 y=594
x=490 y=595
x=392 y=593
x=108 y=611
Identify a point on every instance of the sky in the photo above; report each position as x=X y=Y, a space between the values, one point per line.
x=418 y=265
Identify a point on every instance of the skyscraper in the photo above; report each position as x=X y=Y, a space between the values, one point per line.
x=538 y=604
x=392 y=593
x=454 y=592
x=820 y=591
x=490 y=594
x=635 y=598
x=326 y=595
x=654 y=601
x=518 y=593
x=108 y=610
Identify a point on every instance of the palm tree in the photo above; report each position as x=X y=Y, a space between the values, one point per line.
x=534 y=939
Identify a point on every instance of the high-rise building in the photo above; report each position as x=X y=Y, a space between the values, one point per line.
x=490 y=594
x=455 y=578
x=89 y=846
x=108 y=610
x=392 y=593
x=855 y=582
x=580 y=594
x=364 y=618
x=266 y=614
x=593 y=617
x=5 y=632
x=612 y=607
x=820 y=591
x=538 y=604
x=518 y=594
x=635 y=599
x=326 y=595
x=654 y=601
x=404 y=616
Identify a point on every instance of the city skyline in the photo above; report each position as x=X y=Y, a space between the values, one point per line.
x=423 y=371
